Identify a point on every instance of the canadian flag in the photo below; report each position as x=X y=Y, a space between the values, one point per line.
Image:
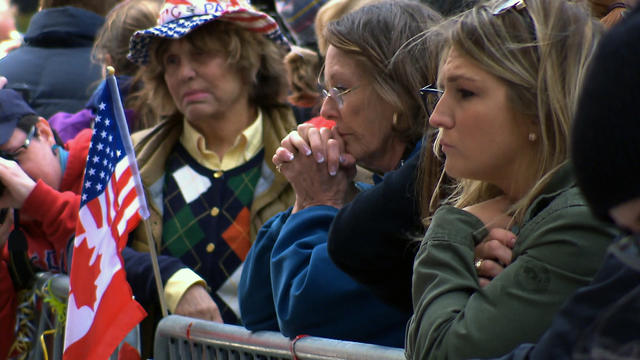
x=101 y=309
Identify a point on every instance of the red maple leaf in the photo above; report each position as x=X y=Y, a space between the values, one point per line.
x=83 y=276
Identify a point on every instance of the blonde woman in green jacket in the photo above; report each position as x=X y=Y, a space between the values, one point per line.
x=516 y=238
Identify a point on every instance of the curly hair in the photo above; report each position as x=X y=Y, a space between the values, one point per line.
x=257 y=58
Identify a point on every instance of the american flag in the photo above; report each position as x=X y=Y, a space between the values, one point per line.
x=101 y=309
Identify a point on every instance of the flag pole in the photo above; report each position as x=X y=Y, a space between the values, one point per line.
x=144 y=210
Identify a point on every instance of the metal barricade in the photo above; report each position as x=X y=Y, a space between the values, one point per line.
x=179 y=337
x=57 y=285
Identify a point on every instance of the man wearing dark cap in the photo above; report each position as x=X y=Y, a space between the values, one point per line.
x=601 y=320
x=41 y=179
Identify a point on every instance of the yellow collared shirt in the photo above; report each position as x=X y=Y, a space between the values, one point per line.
x=244 y=148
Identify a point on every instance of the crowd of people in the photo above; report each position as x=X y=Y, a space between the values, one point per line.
x=455 y=178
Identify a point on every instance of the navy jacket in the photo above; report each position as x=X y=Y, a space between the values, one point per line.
x=290 y=284
x=140 y=274
x=601 y=320
x=53 y=67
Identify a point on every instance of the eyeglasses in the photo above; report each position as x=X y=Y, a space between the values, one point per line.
x=430 y=96
x=12 y=155
x=335 y=93
x=507 y=5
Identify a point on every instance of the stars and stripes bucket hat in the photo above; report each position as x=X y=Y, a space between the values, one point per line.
x=179 y=17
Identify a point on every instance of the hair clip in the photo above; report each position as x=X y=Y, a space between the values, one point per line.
x=507 y=5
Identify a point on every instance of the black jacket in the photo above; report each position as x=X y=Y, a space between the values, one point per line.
x=374 y=238
x=601 y=320
x=53 y=67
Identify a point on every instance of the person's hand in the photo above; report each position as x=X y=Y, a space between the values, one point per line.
x=313 y=185
x=295 y=142
x=5 y=227
x=18 y=185
x=197 y=303
x=3 y=82
x=324 y=144
x=493 y=254
x=492 y=212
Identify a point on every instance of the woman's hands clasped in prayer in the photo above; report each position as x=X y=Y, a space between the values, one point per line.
x=314 y=162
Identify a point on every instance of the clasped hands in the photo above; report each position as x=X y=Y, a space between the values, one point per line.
x=494 y=253
x=316 y=165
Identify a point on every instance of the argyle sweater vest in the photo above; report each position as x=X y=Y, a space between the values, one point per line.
x=206 y=221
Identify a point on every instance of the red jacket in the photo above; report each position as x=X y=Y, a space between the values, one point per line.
x=53 y=215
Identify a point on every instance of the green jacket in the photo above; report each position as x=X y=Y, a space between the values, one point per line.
x=152 y=147
x=559 y=247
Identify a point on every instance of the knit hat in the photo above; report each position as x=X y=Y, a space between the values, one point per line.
x=12 y=108
x=605 y=146
x=179 y=17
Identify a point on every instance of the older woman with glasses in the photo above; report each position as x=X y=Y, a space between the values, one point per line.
x=289 y=283
x=516 y=237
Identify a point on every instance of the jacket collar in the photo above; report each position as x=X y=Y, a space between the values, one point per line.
x=561 y=181
x=68 y=24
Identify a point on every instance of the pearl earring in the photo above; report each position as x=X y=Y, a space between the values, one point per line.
x=394 y=122
x=533 y=137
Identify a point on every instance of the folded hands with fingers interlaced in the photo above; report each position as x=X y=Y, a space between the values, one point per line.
x=314 y=162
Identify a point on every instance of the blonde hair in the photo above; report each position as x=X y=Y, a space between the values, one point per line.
x=333 y=10
x=120 y=23
x=112 y=45
x=302 y=66
x=541 y=54
x=254 y=56
x=395 y=76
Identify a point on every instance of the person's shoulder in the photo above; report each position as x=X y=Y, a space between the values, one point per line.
x=567 y=200
x=566 y=206
x=281 y=114
x=159 y=130
x=82 y=138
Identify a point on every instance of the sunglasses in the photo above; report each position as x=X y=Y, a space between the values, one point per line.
x=13 y=154
x=430 y=96
x=508 y=5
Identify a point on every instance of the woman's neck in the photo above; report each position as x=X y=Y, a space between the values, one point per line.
x=388 y=158
x=220 y=133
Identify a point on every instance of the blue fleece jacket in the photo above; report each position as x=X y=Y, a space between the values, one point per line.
x=290 y=284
